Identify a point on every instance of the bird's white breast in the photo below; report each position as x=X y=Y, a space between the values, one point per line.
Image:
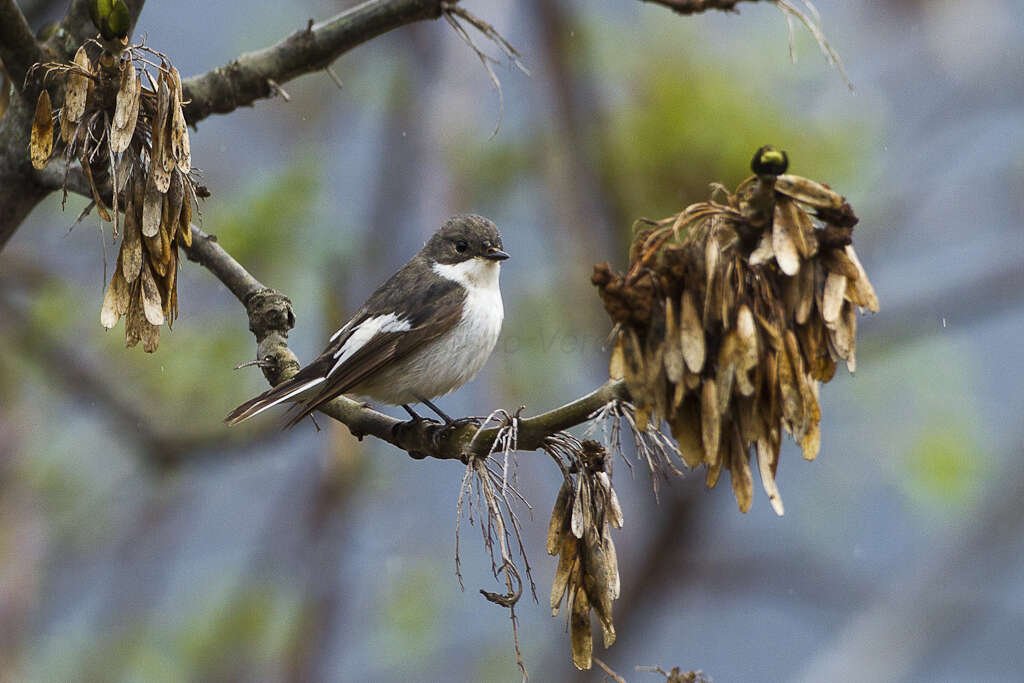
x=446 y=363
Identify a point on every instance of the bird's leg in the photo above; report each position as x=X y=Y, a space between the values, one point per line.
x=431 y=429
x=441 y=413
x=414 y=423
x=448 y=420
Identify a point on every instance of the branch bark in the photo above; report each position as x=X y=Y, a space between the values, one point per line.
x=254 y=75
x=19 y=191
x=21 y=187
x=18 y=47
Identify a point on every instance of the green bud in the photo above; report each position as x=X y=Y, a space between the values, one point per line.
x=119 y=20
x=769 y=161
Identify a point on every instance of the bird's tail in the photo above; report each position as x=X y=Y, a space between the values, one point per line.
x=270 y=398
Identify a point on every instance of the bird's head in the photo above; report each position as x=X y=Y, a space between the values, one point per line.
x=466 y=248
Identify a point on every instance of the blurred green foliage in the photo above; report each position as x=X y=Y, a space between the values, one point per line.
x=410 y=614
x=685 y=119
x=944 y=467
x=490 y=168
x=544 y=345
x=671 y=120
x=230 y=633
x=266 y=224
x=943 y=463
x=246 y=630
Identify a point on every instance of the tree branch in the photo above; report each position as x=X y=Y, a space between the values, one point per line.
x=253 y=75
x=238 y=83
x=19 y=191
x=18 y=47
x=20 y=186
x=78 y=374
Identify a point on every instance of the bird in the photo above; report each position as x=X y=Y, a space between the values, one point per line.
x=422 y=334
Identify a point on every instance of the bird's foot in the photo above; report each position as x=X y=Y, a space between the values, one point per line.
x=463 y=421
x=402 y=429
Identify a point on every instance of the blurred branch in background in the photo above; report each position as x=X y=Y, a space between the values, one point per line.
x=23 y=538
x=581 y=198
x=959 y=304
x=929 y=599
x=36 y=11
x=80 y=376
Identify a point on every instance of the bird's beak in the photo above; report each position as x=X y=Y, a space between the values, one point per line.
x=495 y=254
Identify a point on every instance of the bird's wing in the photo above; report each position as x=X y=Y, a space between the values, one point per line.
x=384 y=331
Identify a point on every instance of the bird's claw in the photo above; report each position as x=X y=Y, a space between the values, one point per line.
x=401 y=429
x=463 y=421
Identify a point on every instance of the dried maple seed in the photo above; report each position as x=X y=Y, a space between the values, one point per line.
x=41 y=141
x=731 y=314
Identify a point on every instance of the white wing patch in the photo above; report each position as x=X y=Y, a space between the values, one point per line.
x=340 y=331
x=366 y=331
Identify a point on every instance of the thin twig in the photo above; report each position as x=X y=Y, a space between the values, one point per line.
x=813 y=24
x=453 y=14
x=608 y=670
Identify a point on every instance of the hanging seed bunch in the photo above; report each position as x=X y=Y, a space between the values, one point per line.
x=731 y=315
x=132 y=143
x=580 y=534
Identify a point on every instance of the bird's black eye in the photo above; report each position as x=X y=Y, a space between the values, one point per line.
x=461 y=246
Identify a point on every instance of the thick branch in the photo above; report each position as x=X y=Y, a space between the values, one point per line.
x=254 y=75
x=18 y=47
x=79 y=375
x=20 y=186
x=19 y=192
x=242 y=81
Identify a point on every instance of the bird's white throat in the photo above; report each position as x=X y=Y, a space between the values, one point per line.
x=477 y=272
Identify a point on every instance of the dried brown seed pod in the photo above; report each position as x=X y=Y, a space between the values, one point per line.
x=116 y=300
x=579 y=630
x=691 y=334
x=126 y=112
x=757 y=297
x=181 y=148
x=78 y=87
x=809 y=192
x=41 y=140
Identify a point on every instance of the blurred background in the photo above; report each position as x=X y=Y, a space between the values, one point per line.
x=140 y=540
